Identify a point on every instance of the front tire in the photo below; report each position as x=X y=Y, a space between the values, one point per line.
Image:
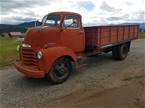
x=60 y=71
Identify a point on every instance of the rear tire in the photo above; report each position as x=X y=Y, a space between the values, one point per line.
x=60 y=71
x=120 y=52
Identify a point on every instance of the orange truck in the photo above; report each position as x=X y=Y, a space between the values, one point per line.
x=55 y=48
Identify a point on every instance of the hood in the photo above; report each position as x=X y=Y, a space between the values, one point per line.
x=39 y=37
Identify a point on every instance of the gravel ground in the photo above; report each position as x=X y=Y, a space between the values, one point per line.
x=98 y=84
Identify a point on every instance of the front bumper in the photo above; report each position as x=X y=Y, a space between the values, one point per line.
x=29 y=71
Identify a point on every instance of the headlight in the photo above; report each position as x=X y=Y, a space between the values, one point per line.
x=18 y=48
x=39 y=55
x=26 y=45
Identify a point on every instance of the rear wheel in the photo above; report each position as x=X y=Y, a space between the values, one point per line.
x=60 y=71
x=120 y=52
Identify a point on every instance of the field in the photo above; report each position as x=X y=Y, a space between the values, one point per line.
x=8 y=52
x=142 y=35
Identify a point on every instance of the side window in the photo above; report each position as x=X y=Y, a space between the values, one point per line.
x=72 y=22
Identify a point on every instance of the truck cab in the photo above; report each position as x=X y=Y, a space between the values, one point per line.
x=59 y=29
x=52 y=49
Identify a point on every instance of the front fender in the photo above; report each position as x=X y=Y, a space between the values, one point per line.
x=50 y=55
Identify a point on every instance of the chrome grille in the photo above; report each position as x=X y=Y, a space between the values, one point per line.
x=29 y=57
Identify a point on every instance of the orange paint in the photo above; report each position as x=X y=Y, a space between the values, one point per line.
x=59 y=40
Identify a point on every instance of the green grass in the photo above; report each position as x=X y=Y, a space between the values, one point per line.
x=142 y=35
x=8 y=52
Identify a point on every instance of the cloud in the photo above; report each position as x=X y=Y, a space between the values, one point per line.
x=88 y=5
x=138 y=16
x=114 y=18
x=94 y=12
x=109 y=8
x=135 y=17
x=128 y=3
x=8 y=6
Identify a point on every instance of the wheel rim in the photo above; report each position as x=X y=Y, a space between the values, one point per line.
x=61 y=70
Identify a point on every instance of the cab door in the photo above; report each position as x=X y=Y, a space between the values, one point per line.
x=72 y=35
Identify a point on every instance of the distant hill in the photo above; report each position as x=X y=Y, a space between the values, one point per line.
x=142 y=26
x=18 y=28
x=29 y=24
x=24 y=26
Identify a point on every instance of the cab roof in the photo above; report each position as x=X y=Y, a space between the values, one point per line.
x=65 y=13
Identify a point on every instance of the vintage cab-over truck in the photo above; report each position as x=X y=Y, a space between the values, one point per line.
x=56 y=47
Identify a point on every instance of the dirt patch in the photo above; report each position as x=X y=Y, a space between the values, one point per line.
x=128 y=93
x=130 y=96
x=103 y=83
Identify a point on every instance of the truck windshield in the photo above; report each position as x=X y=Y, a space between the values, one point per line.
x=51 y=20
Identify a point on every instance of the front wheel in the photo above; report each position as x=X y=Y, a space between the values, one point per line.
x=60 y=71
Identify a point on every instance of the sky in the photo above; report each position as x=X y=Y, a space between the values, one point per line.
x=94 y=12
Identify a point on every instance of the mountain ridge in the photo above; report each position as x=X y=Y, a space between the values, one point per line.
x=19 y=27
x=24 y=26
